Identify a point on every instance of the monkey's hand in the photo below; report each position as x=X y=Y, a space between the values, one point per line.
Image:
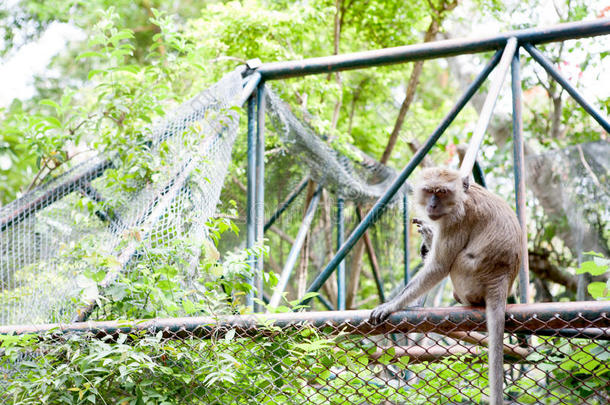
x=426 y=235
x=382 y=312
x=425 y=231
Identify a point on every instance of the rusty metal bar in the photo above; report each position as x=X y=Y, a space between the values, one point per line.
x=438 y=49
x=488 y=108
x=435 y=353
x=520 y=318
x=583 y=333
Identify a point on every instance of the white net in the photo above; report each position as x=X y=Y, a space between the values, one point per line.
x=83 y=212
x=572 y=186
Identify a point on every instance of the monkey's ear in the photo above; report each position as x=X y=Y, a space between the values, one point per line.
x=466 y=182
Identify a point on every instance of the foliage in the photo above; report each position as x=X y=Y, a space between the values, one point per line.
x=139 y=369
x=578 y=367
x=597 y=267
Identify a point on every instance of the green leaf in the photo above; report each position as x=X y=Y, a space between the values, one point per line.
x=89 y=54
x=592 y=253
x=230 y=335
x=53 y=122
x=50 y=103
x=94 y=72
x=124 y=34
x=385 y=359
x=188 y=306
x=592 y=267
x=599 y=290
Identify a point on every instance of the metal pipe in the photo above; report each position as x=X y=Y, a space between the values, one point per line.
x=438 y=49
x=548 y=66
x=488 y=108
x=295 y=249
x=251 y=84
x=372 y=258
x=519 y=318
x=582 y=333
x=478 y=174
x=106 y=215
x=284 y=205
x=251 y=195
x=405 y=237
x=325 y=302
x=57 y=189
x=260 y=190
x=582 y=281
x=402 y=176
x=436 y=353
x=341 y=266
x=519 y=165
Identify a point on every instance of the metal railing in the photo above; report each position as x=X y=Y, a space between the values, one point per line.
x=507 y=46
x=419 y=356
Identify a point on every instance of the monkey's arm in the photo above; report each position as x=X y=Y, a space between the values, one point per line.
x=436 y=267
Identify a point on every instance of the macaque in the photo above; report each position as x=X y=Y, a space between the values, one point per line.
x=474 y=237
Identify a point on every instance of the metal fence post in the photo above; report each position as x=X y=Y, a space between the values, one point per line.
x=341 y=267
x=251 y=194
x=405 y=236
x=260 y=190
x=519 y=164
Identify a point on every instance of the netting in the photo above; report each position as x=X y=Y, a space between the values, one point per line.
x=317 y=358
x=82 y=214
x=573 y=187
x=360 y=180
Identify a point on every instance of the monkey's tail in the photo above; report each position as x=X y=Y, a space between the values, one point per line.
x=495 y=308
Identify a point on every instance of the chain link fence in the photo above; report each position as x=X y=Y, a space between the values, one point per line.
x=554 y=354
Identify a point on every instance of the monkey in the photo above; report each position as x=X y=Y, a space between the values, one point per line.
x=474 y=237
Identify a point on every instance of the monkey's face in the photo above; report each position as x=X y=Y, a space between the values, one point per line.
x=439 y=192
x=438 y=202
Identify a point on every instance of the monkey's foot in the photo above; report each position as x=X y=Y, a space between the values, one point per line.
x=381 y=313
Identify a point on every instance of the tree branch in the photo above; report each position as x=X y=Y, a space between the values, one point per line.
x=431 y=32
